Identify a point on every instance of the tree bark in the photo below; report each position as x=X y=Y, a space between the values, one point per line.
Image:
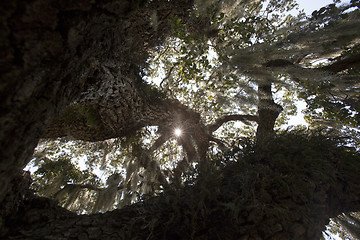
x=268 y=111
x=55 y=53
x=52 y=51
x=252 y=198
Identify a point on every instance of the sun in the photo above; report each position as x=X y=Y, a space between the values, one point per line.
x=177 y=132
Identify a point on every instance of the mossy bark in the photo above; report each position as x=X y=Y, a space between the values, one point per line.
x=54 y=52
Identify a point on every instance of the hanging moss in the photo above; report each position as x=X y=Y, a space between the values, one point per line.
x=284 y=188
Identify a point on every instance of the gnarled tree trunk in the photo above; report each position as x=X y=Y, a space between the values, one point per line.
x=87 y=54
x=52 y=51
x=268 y=111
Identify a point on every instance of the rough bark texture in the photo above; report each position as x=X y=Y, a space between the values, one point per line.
x=277 y=193
x=88 y=54
x=52 y=51
x=268 y=111
x=120 y=115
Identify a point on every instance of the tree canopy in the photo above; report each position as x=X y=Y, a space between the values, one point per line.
x=173 y=114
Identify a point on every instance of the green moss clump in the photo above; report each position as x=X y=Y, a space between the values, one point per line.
x=81 y=113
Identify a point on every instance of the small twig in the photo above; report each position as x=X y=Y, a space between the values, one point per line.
x=162 y=53
x=169 y=73
x=332 y=95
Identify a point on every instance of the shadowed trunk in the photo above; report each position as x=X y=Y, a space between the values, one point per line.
x=55 y=52
x=268 y=111
x=262 y=196
x=71 y=68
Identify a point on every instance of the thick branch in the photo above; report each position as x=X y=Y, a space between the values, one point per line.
x=337 y=66
x=286 y=191
x=220 y=121
x=278 y=63
x=343 y=64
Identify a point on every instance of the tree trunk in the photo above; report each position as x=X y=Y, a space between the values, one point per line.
x=268 y=111
x=52 y=51
x=118 y=109
x=249 y=199
x=55 y=53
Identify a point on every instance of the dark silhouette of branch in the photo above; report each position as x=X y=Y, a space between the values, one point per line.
x=278 y=63
x=337 y=66
x=220 y=121
x=343 y=64
x=169 y=73
x=222 y=144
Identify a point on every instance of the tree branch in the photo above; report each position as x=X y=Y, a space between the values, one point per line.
x=220 y=121
x=159 y=142
x=343 y=64
x=222 y=145
x=278 y=63
x=169 y=74
x=335 y=67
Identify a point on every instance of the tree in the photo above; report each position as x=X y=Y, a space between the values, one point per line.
x=67 y=33
x=76 y=70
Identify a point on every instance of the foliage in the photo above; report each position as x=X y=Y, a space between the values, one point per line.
x=58 y=171
x=229 y=190
x=213 y=63
x=347 y=224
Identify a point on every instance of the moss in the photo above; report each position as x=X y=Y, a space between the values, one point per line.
x=81 y=113
x=150 y=92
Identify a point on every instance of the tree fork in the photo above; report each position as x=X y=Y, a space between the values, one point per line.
x=53 y=52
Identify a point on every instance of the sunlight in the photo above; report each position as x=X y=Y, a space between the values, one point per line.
x=177 y=132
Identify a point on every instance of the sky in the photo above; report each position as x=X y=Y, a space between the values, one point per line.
x=310 y=5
